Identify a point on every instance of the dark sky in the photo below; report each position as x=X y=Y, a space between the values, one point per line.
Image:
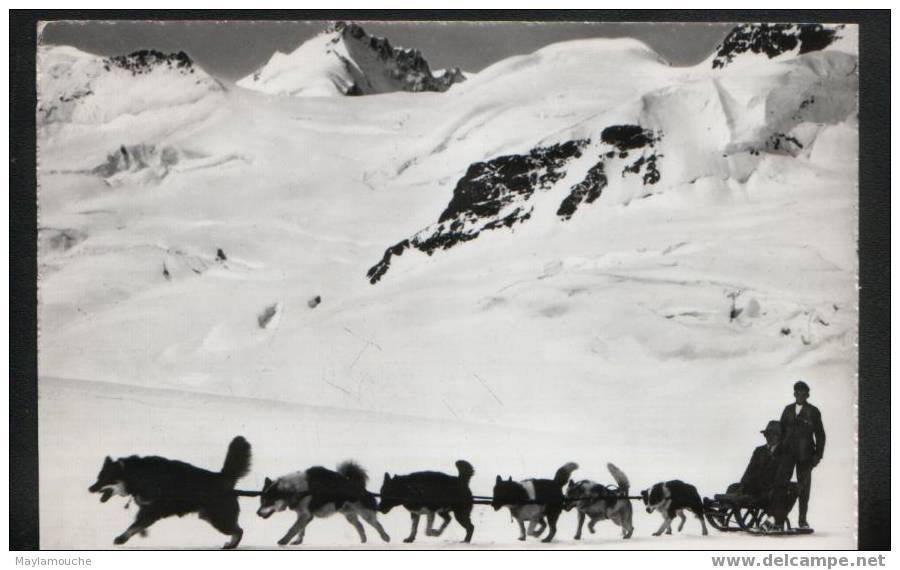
x=234 y=49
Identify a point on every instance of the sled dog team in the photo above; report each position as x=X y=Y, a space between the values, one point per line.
x=164 y=487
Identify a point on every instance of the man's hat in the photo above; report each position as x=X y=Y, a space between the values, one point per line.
x=801 y=385
x=772 y=426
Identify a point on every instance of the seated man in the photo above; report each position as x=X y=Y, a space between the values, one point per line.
x=761 y=475
x=766 y=480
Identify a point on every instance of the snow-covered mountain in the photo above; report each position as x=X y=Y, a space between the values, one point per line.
x=78 y=87
x=734 y=124
x=581 y=253
x=345 y=60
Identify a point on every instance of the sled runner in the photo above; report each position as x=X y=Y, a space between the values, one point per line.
x=787 y=531
x=733 y=511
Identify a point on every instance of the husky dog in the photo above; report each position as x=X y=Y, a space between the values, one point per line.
x=320 y=492
x=671 y=498
x=538 y=501
x=430 y=493
x=162 y=488
x=599 y=502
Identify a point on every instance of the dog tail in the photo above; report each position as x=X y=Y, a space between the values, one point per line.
x=564 y=472
x=354 y=472
x=620 y=478
x=237 y=460
x=465 y=470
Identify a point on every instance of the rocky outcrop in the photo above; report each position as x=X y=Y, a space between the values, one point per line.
x=497 y=193
x=586 y=191
x=146 y=61
x=774 y=40
x=492 y=195
x=627 y=137
x=624 y=139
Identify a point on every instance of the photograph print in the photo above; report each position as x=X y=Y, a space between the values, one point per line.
x=488 y=285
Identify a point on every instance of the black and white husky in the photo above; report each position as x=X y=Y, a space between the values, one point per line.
x=429 y=493
x=538 y=501
x=321 y=492
x=163 y=487
x=598 y=502
x=673 y=498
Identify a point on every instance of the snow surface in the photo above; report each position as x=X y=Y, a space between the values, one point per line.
x=608 y=337
x=81 y=422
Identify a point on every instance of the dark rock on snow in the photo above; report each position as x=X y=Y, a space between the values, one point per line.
x=146 y=60
x=774 y=40
x=496 y=193
x=492 y=195
x=587 y=191
x=623 y=139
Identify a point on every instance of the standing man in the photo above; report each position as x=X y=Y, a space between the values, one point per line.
x=803 y=438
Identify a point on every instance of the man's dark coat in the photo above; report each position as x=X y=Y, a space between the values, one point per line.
x=803 y=434
x=759 y=478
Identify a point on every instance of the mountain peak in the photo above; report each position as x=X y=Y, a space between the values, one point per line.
x=345 y=60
